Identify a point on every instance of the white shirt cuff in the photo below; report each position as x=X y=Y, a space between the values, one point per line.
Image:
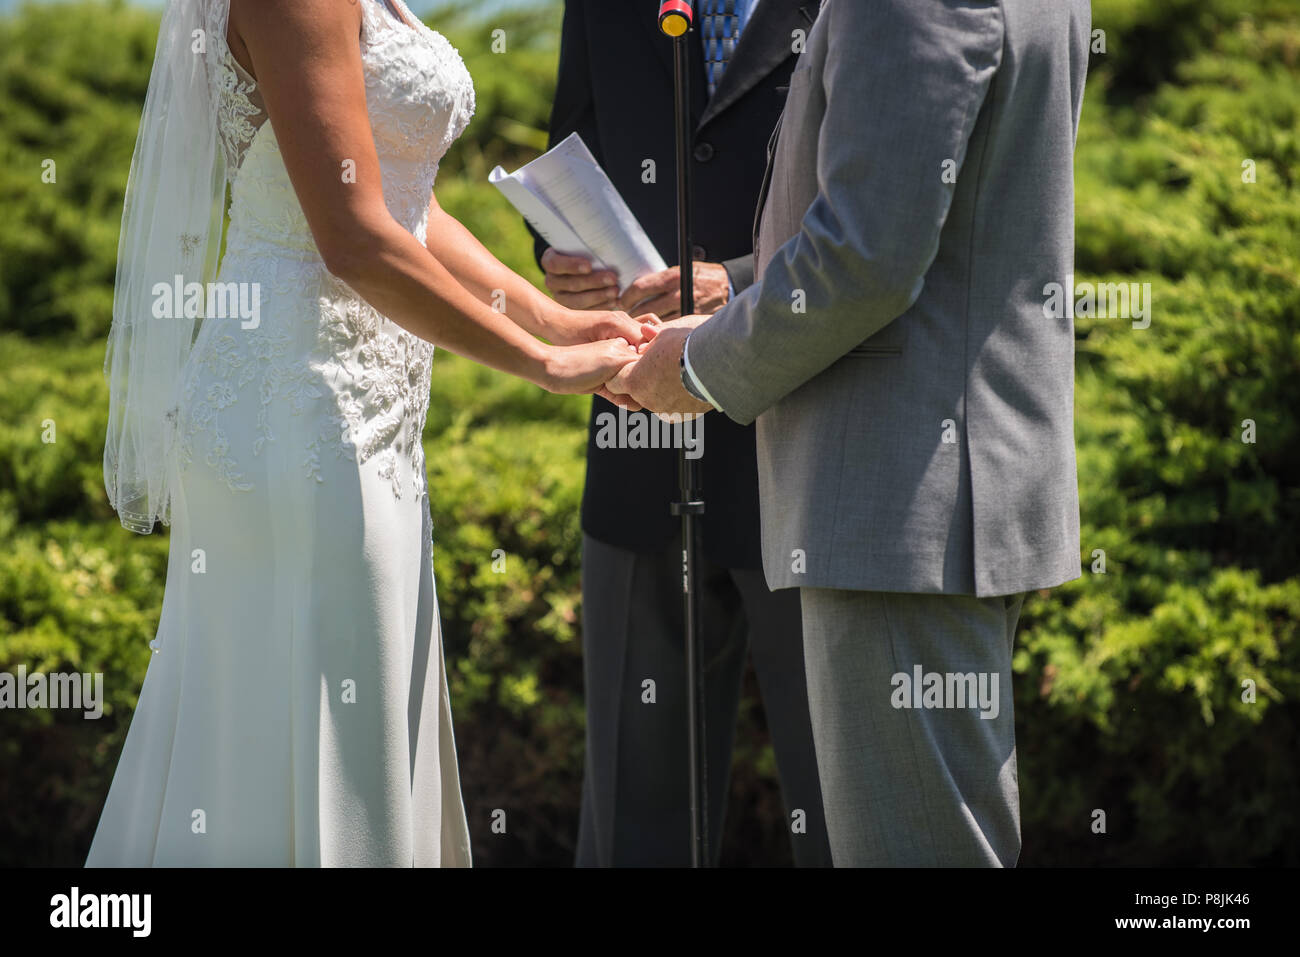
x=695 y=380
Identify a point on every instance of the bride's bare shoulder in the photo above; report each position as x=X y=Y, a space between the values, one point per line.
x=289 y=24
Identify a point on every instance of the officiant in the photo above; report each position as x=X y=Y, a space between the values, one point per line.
x=615 y=89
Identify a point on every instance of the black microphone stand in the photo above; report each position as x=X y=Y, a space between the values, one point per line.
x=675 y=18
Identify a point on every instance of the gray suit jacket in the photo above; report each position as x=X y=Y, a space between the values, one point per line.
x=914 y=398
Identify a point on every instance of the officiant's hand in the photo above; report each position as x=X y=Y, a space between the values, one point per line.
x=654 y=381
x=661 y=292
x=574 y=283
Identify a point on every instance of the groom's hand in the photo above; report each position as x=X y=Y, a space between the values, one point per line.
x=654 y=381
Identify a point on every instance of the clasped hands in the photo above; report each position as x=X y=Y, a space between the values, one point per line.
x=652 y=379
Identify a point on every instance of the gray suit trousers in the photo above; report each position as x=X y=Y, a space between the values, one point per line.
x=635 y=791
x=918 y=773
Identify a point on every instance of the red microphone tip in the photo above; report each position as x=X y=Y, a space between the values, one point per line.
x=675 y=17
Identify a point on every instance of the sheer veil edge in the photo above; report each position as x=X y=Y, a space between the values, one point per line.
x=172 y=222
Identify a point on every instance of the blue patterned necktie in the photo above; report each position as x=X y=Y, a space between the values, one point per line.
x=721 y=28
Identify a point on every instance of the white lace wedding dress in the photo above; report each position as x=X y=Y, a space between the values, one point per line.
x=297 y=711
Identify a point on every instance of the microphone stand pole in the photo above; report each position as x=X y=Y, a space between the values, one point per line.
x=675 y=18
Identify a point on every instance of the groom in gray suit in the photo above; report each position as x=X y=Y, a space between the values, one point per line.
x=914 y=398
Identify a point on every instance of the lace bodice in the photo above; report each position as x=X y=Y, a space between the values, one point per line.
x=418 y=94
x=319 y=346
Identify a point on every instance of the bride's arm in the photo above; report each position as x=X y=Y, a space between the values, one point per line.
x=306 y=58
x=487 y=277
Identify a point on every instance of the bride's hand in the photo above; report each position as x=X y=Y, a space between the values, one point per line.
x=585 y=367
x=571 y=327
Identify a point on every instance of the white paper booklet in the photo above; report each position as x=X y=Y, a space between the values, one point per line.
x=568 y=199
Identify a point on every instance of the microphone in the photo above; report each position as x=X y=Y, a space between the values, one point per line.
x=675 y=17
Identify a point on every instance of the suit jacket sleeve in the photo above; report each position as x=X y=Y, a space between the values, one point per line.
x=903 y=83
x=740 y=271
x=574 y=109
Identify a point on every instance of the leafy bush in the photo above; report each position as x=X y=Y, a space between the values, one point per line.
x=1129 y=683
x=71 y=90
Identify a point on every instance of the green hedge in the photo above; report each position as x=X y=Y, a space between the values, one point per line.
x=1128 y=684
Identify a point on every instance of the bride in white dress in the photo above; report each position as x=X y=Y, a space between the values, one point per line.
x=296 y=711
